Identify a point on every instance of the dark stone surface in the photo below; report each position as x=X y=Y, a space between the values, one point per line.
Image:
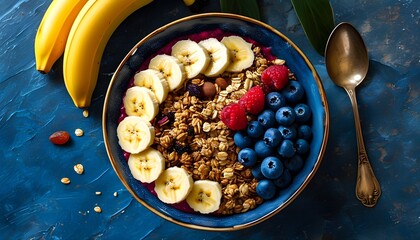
x=35 y=205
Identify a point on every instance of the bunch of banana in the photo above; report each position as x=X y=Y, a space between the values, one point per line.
x=52 y=33
x=80 y=28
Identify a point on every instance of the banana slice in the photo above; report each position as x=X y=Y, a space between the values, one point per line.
x=194 y=57
x=142 y=102
x=154 y=81
x=172 y=69
x=219 y=57
x=241 y=54
x=205 y=196
x=147 y=165
x=173 y=185
x=134 y=134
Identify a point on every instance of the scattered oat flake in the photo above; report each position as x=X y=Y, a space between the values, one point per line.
x=97 y=209
x=78 y=132
x=115 y=194
x=78 y=168
x=85 y=113
x=98 y=193
x=65 y=180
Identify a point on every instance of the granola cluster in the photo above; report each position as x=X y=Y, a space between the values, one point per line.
x=190 y=135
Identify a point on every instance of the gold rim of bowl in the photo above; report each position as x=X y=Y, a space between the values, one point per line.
x=293 y=196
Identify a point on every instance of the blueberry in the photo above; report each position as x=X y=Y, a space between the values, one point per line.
x=288 y=132
x=285 y=116
x=262 y=149
x=256 y=172
x=267 y=118
x=247 y=157
x=242 y=140
x=302 y=146
x=293 y=92
x=255 y=129
x=303 y=113
x=266 y=189
x=286 y=149
x=272 y=137
x=294 y=164
x=272 y=167
x=305 y=132
x=284 y=180
x=275 y=100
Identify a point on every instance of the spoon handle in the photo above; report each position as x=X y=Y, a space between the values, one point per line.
x=367 y=186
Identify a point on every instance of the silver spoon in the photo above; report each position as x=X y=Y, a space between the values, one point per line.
x=347 y=62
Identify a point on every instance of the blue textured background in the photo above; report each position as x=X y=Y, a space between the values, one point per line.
x=35 y=205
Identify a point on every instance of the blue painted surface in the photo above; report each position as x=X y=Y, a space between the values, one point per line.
x=35 y=205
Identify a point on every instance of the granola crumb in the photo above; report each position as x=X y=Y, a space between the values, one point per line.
x=78 y=132
x=85 y=113
x=65 y=180
x=98 y=193
x=78 y=168
x=97 y=209
x=115 y=194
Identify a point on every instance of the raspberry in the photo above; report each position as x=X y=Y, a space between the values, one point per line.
x=234 y=117
x=275 y=77
x=253 y=100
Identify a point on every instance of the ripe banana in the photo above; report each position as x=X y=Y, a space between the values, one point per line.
x=194 y=57
x=205 y=196
x=171 y=68
x=219 y=57
x=154 y=81
x=86 y=42
x=241 y=54
x=141 y=101
x=134 y=134
x=52 y=33
x=173 y=185
x=147 y=165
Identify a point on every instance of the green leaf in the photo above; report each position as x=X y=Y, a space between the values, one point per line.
x=317 y=20
x=247 y=8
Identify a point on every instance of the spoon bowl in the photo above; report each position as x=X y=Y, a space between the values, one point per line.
x=346 y=57
x=347 y=62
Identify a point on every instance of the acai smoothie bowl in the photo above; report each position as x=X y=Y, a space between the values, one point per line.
x=215 y=121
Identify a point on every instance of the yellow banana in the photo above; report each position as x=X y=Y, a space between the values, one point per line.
x=51 y=37
x=88 y=37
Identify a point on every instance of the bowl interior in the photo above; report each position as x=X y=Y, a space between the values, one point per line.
x=281 y=47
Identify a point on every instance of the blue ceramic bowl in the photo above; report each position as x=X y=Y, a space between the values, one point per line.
x=280 y=46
